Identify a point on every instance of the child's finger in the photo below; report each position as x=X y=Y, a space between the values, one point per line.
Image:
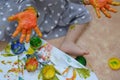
x=38 y=31
x=17 y=31
x=110 y=9
x=97 y=10
x=115 y=3
x=28 y=35
x=105 y=12
x=23 y=35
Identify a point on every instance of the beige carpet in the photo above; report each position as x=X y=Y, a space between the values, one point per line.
x=102 y=39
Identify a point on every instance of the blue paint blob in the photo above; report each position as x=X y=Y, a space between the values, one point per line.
x=17 y=47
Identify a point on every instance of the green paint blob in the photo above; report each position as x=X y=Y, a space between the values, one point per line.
x=35 y=42
x=7 y=55
x=84 y=73
x=81 y=60
x=7 y=49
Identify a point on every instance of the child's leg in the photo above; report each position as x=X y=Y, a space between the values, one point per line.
x=69 y=44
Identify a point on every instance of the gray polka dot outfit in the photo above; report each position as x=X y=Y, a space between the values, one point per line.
x=55 y=16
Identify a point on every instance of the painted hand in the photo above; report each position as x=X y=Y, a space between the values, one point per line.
x=103 y=5
x=27 y=20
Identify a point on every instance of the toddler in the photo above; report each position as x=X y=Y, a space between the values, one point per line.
x=57 y=18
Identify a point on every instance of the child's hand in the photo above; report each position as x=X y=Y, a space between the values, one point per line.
x=103 y=5
x=27 y=20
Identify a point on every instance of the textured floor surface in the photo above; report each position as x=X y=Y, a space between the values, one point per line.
x=102 y=39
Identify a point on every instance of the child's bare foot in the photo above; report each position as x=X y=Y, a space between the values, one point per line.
x=72 y=49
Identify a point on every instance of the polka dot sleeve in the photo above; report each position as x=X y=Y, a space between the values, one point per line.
x=75 y=14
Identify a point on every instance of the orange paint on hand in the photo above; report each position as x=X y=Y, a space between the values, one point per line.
x=103 y=6
x=27 y=20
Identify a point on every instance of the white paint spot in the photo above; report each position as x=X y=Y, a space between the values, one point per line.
x=75 y=21
x=41 y=0
x=0 y=32
x=10 y=9
x=62 y=6
x=4 y=19
x=53 y=11
x=8 y=6
x=60 y=30
x=71 y=7
x=70 y=16
x=19 y=8
x=79 y=9
x=50 y=16
x=56 y=35
x=52 y=27
x=45 y=8
x=16 y=25
x=7 y=3
x=39 y=13
x=33 y=32
x=58 y=14
x=46 y=21
x=8 y=28
x=45 y=35
x=41 y=28
x=50 y=4
x=83 y=17
x=28 y=5
x=56 y=21
x=1 y=13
